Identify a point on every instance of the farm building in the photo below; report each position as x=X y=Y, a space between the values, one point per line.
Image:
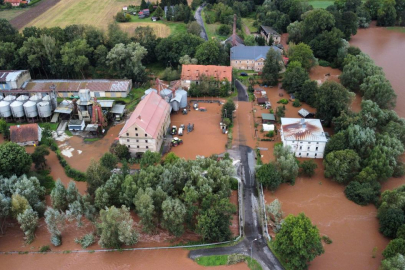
x=147 y=126
x=68 y=88
x=305 y=136
x=269 y=33
x=13 y=79
x=250 y=57
x=17 y=3
x=234 y=39
x=306 y=114
x=268 y=118
x=23 y=135
x=262 y=100
x=194 y=73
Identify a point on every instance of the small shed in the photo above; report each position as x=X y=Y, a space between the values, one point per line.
x=26 y=134
x=76 y=125
x=305 y=114
x=262 y=100
x=154 y=19
x=268 y=118
x=118 y=111
x=267 y=127
x=125 y=8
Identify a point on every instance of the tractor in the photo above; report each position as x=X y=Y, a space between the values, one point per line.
x=176 y=141
x=173 y=131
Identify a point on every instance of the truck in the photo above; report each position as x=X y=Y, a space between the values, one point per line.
x=181 y=130
x=173 y=131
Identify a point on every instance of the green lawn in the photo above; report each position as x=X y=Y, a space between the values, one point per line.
x=217 y=260
x=211 y=29
x=397 y=29
x=10 y=14
x=249 y=23
x=321 y=4
x=175 y=27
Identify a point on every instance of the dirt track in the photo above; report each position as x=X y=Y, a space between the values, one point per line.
x=23 y=19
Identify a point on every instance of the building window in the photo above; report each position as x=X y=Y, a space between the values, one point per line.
x=127 y=134
x=309 y=142
x=146 y=141
x=300 y=154
x=137 y=146
x=127 y=140
x=137 y=140
x=300 y=147
x=136 y=134
x=146 y=135
x=316 y=154
x=316 y=149
x=293 y=141
x=129 y=146
x=317 y=143
x=136 y=128
x=308 y=147
x=307 y=154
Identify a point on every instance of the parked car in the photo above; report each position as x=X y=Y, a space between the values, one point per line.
x=243 y=74
x=173 y=131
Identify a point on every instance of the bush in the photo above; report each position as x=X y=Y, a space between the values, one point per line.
x=86 y=241
x=394 y=247
x=308 y=167
x=390 y=221
x=297 y=103
x=327 y=240
x=324 y=63
x=236 y=258
x=234 y=183
x=45 y=249
x=363 y=193
x=283 y=101
x=121 y=17
x=120 y=150
x=170 y=74
x=224 y=30
x=270 y=134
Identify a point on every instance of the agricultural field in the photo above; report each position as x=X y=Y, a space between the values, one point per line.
x=321 y=3
x=12 y=13
x=91 y=12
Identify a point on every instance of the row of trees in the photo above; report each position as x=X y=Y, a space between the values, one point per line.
x=391 y=215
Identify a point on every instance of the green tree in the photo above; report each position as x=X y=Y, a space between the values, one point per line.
x=341 y=165
x=8 y=57
x=288 y=168
x=363 y=193
x=274 y=209
x=326 y=45
x=378 y=89
x=396 y=246
x=14 y=160
x=38 y=157
x=387 y=14
x=4 y=129
x=174 y=213
x=96 y=176
x=294 y=77
x=171 y=158
x=269 y=176
x=159 y=12
x=28 y=221
x=401 y=232
x=396 y=262
x=120 y=150
x=331 y=99
x=298 y=242
x=308 y=92
x=126 y=60
x=109 y=161
x=150 y=158
x=76 y=54
x=5 y=210
x=147 y=38
x=55 y=222
x=373 y=6
x=194 y=28
x=390 y=221
x=295 y=32
x=271 y=67
x=7 y=32
x=315 y=22
x=336 y=142
x=108 y=194
x=146 y=210
x=58 y=196
x=210 y=53
x=301 y=53
x=143 y=5
x=308 y=167
x=116 y=228
x=227 y=109
x=250 y=41
x=18 y=205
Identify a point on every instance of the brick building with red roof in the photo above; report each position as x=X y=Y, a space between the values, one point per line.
x=195 y=73
x=23 y=135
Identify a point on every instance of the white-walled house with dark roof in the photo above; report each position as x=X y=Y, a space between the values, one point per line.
x=306 y=137
x=251 y=57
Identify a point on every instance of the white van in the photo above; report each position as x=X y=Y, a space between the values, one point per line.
x=180 y=133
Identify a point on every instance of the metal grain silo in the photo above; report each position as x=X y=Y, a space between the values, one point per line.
x=166 y=94
x=17 y=109
x=147 y=92
x=35 y=98
x=30 y=109
x=183 y=94
x=5 y=111
x=1 y=97
x=23 y=98
x=44 y=109
x=9 y=98
x=46 y=98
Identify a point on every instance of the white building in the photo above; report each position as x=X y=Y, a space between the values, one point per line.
x=147 y=126
x=305 y=136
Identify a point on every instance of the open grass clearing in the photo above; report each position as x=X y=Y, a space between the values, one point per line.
x=249 y=23
x=91 y=12
x=321 y=3
x=160 y=29
x=397 y=29
x=211 y=29
x=217 y=260
x=10 y=14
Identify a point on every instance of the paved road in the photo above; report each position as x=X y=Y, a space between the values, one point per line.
x=200 y=21
x=251 y=227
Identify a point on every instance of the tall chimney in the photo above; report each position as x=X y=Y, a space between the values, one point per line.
x=234 y=31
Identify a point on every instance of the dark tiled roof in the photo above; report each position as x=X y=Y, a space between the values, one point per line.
x=251 y=52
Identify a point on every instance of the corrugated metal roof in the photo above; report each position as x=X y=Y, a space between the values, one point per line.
x=194 y=72
x=251 y=52
x=269 y=30
x=106 y=103
x=24 y=133
x=10 y=75
x=118 y=108
x=303 y=112
x=76 y=85
x=149 y=115
x=268 y=116
x=300 y=129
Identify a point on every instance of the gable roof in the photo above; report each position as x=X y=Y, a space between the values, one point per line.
x=24 y=133
x=75 y=85
x=268 y=116
x=148 y=115
x=194 y=72
x=269 y=30
x=239 y=41
x=251 y=52
x=300 y=129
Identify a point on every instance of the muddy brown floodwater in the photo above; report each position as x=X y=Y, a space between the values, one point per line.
x=352 y=228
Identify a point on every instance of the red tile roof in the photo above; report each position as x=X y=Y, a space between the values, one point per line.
x=149 y=115
x=24 y=133
x=76 y=85
x=194 y=72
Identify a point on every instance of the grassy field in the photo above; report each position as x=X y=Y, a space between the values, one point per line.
x=249 y=23
x=91 y=12
x=211 y=29
x=217 y=260
x=10 y=14
x=321 y=3
x=397 y=29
